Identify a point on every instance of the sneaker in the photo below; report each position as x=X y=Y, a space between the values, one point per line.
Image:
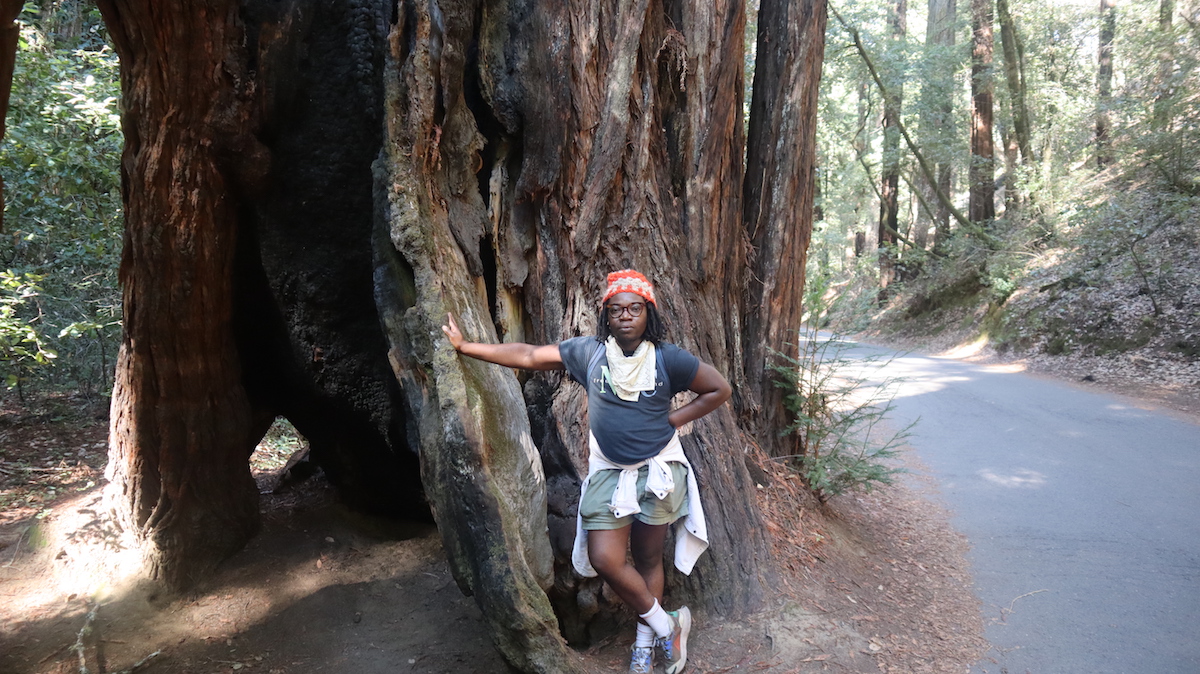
x=674 y=647
x=642 y=661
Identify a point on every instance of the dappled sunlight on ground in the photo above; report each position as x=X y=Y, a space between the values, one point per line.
x=1005 y=368
x=84 y=554
x=1022 y=478
x=966 y=350
x=909 y=376
x=906 y=377
x=311 y=592
x=912 y=386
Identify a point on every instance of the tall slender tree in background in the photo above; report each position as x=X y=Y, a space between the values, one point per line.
x=1104 y=76
x=1166 y=61
x=889 y=185
x=863 y=133
x=1017 y=140
x=1014 y=75
x=982 y=173
x=936 y=121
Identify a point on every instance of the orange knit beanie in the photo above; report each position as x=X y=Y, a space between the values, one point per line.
x=629 y=281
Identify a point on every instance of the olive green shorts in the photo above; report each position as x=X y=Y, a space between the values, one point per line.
x=597 y=515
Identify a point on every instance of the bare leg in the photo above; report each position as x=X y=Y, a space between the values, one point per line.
x=647 y=541
x=607 y=549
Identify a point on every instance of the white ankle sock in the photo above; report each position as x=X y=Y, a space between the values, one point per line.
x=645 y=636
x=658 y=620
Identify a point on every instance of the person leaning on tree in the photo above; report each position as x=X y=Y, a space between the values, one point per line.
x=639 y=481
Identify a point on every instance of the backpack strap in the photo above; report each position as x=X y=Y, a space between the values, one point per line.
x=595 y=359
x=661 y=365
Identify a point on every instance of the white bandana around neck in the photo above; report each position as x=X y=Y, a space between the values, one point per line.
x=631 y=374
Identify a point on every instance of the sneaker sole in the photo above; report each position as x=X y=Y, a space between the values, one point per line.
x=685 y=626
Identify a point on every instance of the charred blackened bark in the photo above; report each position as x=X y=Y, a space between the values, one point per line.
x=307 y=326
x=521 y=151
x=248 y=274
x=531 y=149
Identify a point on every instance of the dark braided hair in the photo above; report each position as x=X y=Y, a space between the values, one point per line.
x=656 y=327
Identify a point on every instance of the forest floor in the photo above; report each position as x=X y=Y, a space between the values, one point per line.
x=873 y=583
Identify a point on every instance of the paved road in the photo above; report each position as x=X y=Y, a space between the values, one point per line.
x=1083 y=513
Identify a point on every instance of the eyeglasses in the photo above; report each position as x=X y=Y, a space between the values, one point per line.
x=635 y=310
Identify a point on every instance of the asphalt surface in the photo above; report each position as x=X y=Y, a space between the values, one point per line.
x=1082 y=510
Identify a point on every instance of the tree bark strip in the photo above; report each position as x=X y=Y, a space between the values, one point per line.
x=9 y=35
x=936 y=122
x=482 y=472
x=778 y=196
x=1104 y=75
x=181 y=427
x=982 y=173
x=889 y=189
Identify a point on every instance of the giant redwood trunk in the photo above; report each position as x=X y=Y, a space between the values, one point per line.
x=181 y=423
x=515 y=180
x=311 y=186
x=247 y=268
x=777 y=211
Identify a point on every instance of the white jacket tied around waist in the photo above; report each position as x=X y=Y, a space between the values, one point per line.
x=691 y=539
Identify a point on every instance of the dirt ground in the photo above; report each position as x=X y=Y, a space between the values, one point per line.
x=873 y=583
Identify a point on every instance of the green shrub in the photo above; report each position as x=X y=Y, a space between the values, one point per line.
x=22 y=348
x=62 y=214
x=838 y=416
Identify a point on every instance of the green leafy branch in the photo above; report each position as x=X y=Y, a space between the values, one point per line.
x=22 y=348
x=838 y=417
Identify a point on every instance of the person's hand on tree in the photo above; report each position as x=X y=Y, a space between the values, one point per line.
x=452 y=333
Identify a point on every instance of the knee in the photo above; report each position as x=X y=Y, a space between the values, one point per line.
x=606 y=562
x=647 y=560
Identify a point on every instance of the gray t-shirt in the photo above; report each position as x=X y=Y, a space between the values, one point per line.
x=628 y=431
